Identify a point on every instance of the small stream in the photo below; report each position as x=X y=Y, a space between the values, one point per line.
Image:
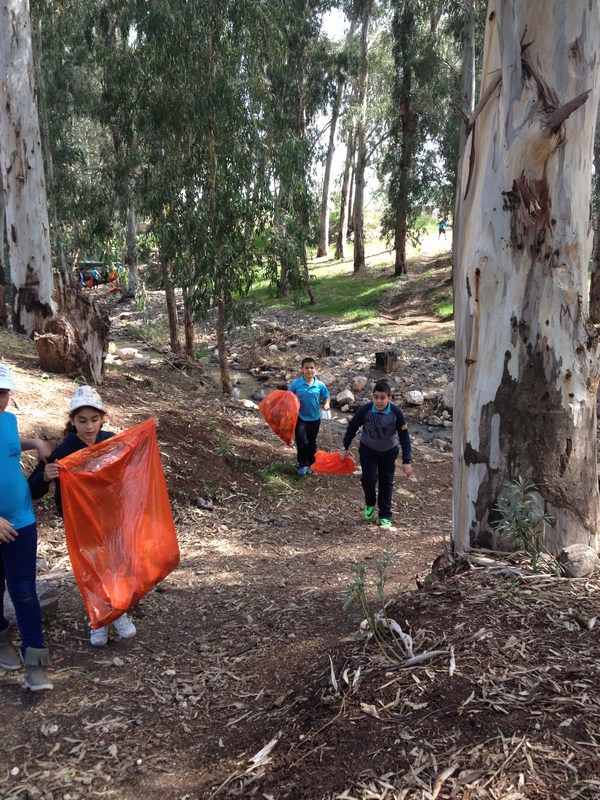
x=247 y=387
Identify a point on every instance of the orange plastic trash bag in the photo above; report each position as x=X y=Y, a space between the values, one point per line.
x=280 y=410
x=118 y=523
x=331 y=464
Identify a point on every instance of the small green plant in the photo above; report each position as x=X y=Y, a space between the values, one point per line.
x=226 y=448
x=203 y=352
x=522 y=518
x=394 y=644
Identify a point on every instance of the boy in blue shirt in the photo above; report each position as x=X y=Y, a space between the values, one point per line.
x=384 y=432
x=310 y=391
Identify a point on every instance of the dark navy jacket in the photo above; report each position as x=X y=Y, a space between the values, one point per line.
x=381 y=430
x=70 y=444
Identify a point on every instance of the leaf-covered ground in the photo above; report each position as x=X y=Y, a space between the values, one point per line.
x=246 y=679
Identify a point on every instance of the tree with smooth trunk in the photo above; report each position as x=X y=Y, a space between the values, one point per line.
x=22 y=174
x=527 y=367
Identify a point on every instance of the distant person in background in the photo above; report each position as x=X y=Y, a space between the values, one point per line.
x=95 y=276
x=442 y=225
x=310 y=391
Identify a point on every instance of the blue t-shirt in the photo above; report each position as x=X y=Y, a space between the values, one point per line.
x=310 y=396
x=15 y=497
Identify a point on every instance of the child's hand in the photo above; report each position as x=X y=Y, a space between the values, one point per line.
x=343 y=454
x=7 y=532
x=408 y=471
x=51 y=472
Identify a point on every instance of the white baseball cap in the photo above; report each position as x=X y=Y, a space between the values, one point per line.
x=6 y=379
x=86 y=396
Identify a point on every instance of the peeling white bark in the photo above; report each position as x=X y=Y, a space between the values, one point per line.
x=22 y=172
x=527 y=365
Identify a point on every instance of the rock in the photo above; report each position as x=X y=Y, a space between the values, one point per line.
x=141 y=361
x=328 y=378
x=249 y=403
x=112 y=348
x=579 y=560
x=345 y=397
x=448 y=397
x=47 y=595
x=272 y=348
x=435 y=421
x=127 y=353
x=359 y=383
x=386 y=360
x=414 y=398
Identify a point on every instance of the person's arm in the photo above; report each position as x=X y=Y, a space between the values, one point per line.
x=351 y=431
x=42 y=447
x=326 y=398
x=405 y=444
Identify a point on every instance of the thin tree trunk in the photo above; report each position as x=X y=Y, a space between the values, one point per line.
x=342 y=232
x=131 y=255
x=22 y=170
x=527 y=366
x=323 y=247
x=188 y=325
x=350 y=215
x=361 y=158
x=226 y=383
x=166 y=269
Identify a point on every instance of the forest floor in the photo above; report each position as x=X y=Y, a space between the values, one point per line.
x=246 y=678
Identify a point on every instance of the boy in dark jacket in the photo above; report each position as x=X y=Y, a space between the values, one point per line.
x=384 y=433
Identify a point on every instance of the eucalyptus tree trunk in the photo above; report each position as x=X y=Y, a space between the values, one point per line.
x=323 y=246
x=595 y=274
x=131 y=255
x=166 y=269
x=527 y=367
x=361 y=150
x=226 y=382
x=22 y=171
x=405 y=31
x=3 y=309
x=188 y=325
x=342 y=233
x=468 y=106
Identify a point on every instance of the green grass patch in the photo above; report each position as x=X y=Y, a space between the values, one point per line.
x=445 y=310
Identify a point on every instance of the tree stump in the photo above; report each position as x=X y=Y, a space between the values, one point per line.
x=386 y=360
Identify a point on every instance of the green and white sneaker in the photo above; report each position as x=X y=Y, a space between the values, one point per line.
x=386 y=523
x=369 y=513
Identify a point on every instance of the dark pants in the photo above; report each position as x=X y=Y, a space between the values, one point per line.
x=17 y=574
x=306 y=440
x=378 y=468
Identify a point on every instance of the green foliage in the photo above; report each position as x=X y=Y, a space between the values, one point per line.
x=522 y=518
x=394 y=644
x=445 y=310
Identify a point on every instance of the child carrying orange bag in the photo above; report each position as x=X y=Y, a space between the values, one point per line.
x=119 y=528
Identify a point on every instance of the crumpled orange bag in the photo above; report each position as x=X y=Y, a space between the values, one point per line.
x=280 y=410
x=118 y=523
x=331 y=464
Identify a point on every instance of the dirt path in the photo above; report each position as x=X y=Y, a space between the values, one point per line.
x=246 y=646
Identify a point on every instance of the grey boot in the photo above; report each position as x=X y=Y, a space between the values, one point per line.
x=36 y=660
x=9 y=658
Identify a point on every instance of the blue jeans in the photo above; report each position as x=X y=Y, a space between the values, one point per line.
x=378 y=468
x=306 y=440
x=17 y=574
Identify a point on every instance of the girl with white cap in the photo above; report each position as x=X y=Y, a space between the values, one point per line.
x=18 y=545
x=84 y=428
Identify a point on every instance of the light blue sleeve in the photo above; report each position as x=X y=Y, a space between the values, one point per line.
x=324 y=392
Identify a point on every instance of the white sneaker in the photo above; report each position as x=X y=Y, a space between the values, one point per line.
x=99 y=636
x=124 y=626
